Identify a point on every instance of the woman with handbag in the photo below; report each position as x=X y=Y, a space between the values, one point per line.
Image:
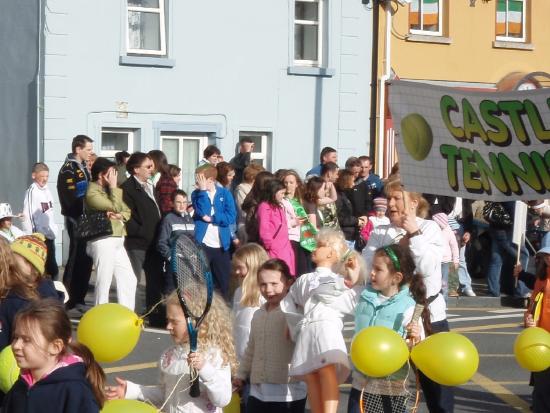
x=104 y=202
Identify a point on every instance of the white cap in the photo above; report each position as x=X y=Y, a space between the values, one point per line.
x=5 y=211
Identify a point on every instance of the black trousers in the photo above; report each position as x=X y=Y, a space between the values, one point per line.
x=52 y=269
x=257 y=406
x=541 y=396
x=220 y=265
x=151 y=262
x=303 y=259
x=78 y=268
x=439 y=398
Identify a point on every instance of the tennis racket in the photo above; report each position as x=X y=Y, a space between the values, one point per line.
x=195 y=288
x=396 y=393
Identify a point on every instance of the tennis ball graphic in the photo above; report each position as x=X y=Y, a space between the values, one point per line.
x=417 y=136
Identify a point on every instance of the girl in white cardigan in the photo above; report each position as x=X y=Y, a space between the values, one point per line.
x=214 y=361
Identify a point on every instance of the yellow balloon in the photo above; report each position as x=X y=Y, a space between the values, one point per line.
x=127 y=406
x=9 y=370
x=378 y=351
x=234 y=405
x=447 y=358
x=532 y=349
x=111 y=331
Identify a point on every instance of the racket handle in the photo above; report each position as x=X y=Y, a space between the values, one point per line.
x=195 y=390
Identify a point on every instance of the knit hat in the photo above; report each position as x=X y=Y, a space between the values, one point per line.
x=441 y=219
x=5 y=211
x=380 y=204
x=453 y=223
x=33 y=249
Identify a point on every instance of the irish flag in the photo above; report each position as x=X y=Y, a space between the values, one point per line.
x=509 y=18
x=424 y=15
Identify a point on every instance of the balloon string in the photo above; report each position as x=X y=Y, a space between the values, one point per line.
x=194 y=375
x=153 y=308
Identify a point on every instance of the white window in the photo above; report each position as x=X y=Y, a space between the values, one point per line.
x=261 y=154
x=146 y=27
x=308 y=32
x=510 y=20
x=426 y=17
x=114 y=140
x=185 y=151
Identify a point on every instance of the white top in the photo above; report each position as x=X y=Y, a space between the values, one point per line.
x=291 y=220
x=268 y=392
x=214 y=381
x=212 y=236
x=38 y=215
x=12 y=234
x=377 y=221
x=314 y=325
x=427 y=252
x=241 y=322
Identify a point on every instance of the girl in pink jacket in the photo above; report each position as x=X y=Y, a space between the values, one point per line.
x=273 y=226
x=449 y=262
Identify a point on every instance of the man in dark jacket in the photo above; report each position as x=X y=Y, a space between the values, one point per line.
x=72 y=183
x=142 y=227
x=242 y=159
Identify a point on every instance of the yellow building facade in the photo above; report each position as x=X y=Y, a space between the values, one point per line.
x=460 y=43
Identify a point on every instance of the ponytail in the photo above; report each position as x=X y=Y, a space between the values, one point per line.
x=94 y=372
x=417 y=288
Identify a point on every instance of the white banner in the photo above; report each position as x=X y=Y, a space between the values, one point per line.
x=476 y=145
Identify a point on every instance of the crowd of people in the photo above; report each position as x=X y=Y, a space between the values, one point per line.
x=290 y=257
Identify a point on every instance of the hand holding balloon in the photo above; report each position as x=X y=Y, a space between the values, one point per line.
x=118 y=391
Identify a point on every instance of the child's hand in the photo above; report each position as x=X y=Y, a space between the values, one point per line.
x=206 y=218
x=201 y=182
x=353 y=271
x=237 y=384
x=528 y=320
x=195 y=360
x=118 y=391
x=517 y=270
x=456 y=265
x=413 y=334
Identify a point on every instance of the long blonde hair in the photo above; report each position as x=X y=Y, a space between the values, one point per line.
x=216 y=331
x=334 y=239
x=253 y=256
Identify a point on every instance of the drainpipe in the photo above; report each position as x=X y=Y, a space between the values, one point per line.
x=382 y=88
x=38 y=86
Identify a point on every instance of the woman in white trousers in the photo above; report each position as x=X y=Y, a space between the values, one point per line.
x=108 y=253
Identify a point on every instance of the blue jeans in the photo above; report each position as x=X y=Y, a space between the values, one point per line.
x=463 y=275
x=502 y=248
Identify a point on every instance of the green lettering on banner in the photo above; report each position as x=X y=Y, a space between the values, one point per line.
x=542 y=168
x=490 y=113
x=447 y=105
x=515 y=109
x=533 y=114
x=491 y=173
x=450 y=152
x=470 y=171
x=472 y=125
x=512 y=172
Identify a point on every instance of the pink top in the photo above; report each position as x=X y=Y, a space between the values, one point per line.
x=273 y=231
x=292 y=222
x=65 y=361
x=450 y=246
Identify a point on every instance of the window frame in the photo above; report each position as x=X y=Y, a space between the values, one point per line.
x=320 y=34
x=439 y=32
x=162 y=28
x=507 y=38
x=265 y=138
x=110 y=153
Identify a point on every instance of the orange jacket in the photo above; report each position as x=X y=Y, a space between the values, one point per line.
x=544 y=287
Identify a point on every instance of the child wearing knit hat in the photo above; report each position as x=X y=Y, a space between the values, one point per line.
x=379 y=217
x=21 y=279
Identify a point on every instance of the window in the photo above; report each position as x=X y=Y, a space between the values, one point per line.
x=510 y=20
x=115 y=140
x=146 y=27
x=425 y=17
x=261 y=154
x=308 y=32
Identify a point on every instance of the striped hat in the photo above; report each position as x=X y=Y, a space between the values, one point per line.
x=380 y=204
x=33 y=249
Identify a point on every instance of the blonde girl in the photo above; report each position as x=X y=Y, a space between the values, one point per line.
x=22 y=280
x=320 y=356
x=55 y=371
x=214 y=361
x=247 y=299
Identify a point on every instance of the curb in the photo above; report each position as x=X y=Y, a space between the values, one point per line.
x=486 y=302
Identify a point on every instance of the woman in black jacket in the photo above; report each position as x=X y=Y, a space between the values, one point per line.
x=349 y=223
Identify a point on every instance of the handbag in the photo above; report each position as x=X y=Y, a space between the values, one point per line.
x=93 y=225
x=495 y=214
